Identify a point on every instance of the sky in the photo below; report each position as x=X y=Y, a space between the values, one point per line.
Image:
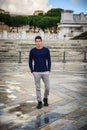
x=27 y=7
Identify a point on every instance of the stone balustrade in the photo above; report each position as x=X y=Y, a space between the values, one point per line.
x=24 y=35
x=54 y=36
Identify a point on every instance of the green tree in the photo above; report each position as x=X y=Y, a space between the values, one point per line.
x=47 y=23
x=18 y=21
x=13 y=21
x=6 y=18
x=33 y=21
x=2 y=17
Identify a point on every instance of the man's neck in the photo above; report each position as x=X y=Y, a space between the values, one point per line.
x=39 y=47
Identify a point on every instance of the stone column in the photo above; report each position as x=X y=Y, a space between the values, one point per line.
x=24 y=35
x=82 y=17
x=5 y=34
x=42 y=34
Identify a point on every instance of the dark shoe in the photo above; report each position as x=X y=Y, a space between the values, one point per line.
x=39 y=106
x=45 y=100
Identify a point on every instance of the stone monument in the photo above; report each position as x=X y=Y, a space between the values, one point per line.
x=71 y=24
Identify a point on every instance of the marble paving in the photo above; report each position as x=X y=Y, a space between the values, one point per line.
x=67 y=108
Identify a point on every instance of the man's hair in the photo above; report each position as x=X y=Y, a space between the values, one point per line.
x=38 y=37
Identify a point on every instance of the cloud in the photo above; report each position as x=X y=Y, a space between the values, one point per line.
x=24 y=6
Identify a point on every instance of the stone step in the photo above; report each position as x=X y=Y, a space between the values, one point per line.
x=25 y=54
x=9 y=49
x=50 y=47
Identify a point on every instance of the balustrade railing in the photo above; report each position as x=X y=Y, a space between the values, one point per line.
x=24 y=35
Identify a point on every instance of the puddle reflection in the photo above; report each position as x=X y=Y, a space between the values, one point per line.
x=39 y=122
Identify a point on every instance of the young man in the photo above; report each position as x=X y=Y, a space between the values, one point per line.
x=40 y=66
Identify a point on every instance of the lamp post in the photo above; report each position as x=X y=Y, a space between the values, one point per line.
x=85 y=54
x=64 y=53
x=85 y=60
x=19 y=57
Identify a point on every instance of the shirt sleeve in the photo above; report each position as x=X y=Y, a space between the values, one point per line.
x=49 y=60
x=31 y=61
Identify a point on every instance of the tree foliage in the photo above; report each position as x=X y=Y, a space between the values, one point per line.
x=54 y=12
x=6 y=18
x=47 y=22
x=18 y=21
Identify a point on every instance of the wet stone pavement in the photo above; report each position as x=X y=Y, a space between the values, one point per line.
x=67 y=108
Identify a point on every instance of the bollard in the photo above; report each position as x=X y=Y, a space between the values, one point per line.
x=64 y=54
x=19 y=61
x=84 y=57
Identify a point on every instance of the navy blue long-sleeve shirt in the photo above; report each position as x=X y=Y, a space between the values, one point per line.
x=39 y=60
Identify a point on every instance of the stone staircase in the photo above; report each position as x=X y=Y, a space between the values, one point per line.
x=72 y=50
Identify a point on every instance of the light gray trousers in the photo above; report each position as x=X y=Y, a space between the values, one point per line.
x=45 y=77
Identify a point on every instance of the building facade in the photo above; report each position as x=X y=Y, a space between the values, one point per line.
x=38 y=12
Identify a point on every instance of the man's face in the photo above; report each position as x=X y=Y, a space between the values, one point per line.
x=38 y=43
